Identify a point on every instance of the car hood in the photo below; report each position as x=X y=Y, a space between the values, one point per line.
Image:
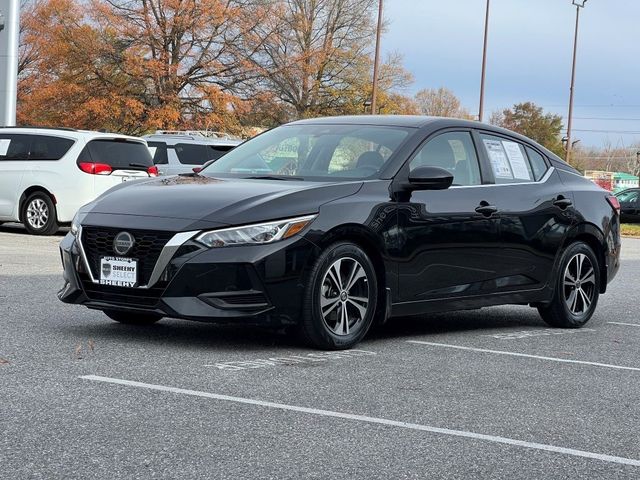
x=217 y=201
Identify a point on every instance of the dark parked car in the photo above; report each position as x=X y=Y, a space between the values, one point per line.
x=629 y=205
x=332 y=224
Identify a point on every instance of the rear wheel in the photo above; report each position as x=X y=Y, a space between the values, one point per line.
x=340 y=298
x=577 y=289
x=132 y=318
x=39 y=214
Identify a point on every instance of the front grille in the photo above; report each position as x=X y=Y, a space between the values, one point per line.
x=98 y=242
x=134 y=297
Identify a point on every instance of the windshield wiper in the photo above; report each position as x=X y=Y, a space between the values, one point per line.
x=133 y=164
x=273 y=177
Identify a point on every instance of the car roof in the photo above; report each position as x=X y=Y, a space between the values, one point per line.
x=420 y=121
x=68 y=132
x=173 y=139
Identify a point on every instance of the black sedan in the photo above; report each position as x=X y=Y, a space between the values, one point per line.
x=629 y=205
x=331 y=225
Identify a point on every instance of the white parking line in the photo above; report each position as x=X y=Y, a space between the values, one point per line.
x=515 y=354
x=626 y=324
x=374 y=420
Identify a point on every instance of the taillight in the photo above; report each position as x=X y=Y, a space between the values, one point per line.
x=614 y=202
x=95 y=168
x=196 y=169
x=153 y=171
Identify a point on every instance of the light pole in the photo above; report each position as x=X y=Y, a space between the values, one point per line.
x=637 y=172
x=579 y=4
x=484 y=62
x=9 y=61
x=376 y=62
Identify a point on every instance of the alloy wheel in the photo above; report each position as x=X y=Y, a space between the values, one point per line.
x=344 y=296
x=37 y=213
x=579 y=284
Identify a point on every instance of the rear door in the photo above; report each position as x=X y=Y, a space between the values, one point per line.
x=536 y=210
x=450 y=242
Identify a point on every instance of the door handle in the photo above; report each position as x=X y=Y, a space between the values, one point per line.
x=485 y=209
x=562 y=202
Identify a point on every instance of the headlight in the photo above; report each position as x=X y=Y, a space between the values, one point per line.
x=255 y=234
x=75 y=223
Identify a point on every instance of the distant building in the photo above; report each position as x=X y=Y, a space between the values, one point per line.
x=622 y=181
x=612 y=181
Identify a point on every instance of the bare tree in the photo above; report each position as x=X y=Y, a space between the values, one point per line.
x=315 y=54
x=440 y=102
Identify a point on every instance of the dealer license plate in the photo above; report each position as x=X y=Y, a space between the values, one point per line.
x=119 y=272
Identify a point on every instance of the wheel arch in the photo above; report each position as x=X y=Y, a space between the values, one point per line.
x=28 y=192
x=372 y=246
x=592 y=236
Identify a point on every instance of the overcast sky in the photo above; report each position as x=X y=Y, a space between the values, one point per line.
x=530 y=47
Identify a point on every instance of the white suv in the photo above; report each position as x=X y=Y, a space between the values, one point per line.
x=176 y=152
x=46 y=175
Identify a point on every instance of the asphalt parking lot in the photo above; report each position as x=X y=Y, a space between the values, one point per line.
x=492 y=393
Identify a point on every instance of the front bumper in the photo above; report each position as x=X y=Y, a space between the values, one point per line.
x=261 y=284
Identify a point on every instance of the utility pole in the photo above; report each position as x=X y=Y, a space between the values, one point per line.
x=579 y=4
x=9 y=31
x=484 y=63
x=376 y=62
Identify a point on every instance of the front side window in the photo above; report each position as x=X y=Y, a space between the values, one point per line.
x=453 y=151
x=309 y=152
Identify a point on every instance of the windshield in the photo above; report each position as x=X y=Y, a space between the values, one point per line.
x=309 y=152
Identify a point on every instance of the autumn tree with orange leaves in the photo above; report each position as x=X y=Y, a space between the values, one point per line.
x=138 y=65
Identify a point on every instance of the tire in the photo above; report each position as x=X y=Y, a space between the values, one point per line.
x=39 y=214
x=573 y=304
x=132 y=318
x=327 y=290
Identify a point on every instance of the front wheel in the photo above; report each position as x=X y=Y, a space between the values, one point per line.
x=577 y=289
x=132 y=318
x=340 y=298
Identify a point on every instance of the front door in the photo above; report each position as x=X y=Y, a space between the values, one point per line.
x=449 y=239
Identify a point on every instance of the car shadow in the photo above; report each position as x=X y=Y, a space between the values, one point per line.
x=197 y=335
x=489 y=319
x=18 y=228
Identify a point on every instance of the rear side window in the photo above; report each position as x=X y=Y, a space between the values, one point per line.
x=538 y=164
x=33 y=147
x=118 y=154
x=194 y=154
x=508 y=160
x=158 y=152
x=216 y=151
x=191 y=154
x=45 y=147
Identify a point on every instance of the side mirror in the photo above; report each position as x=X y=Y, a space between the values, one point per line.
x=429 y=178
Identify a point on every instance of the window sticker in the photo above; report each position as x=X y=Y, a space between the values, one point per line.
x=459 y=151
x=499 y=160
x=517 y=160
x=4 y=146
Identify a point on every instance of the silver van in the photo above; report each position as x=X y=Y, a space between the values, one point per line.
x=176 y=152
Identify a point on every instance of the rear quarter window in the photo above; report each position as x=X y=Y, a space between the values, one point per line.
x=118 y=154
